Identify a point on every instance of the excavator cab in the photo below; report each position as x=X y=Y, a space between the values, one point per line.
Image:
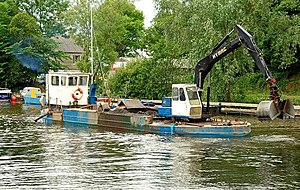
x=186 y=102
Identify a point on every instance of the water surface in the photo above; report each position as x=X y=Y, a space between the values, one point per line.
x=36 y=156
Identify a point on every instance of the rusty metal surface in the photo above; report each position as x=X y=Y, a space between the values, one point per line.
x=288 y=110
x=131 y=104
x=267 y=110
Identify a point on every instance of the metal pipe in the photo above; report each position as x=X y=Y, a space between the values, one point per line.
x=208 y=94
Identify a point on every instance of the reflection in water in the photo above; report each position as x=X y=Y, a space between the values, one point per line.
x=33 y=155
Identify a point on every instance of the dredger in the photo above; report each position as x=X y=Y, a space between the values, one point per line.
x=187 y=98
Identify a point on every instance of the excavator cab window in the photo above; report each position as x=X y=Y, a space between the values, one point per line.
x=181 y=95
x=193 y=95
x=178 y=94
x=175 y=94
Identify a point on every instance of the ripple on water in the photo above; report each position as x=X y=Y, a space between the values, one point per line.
x=274 y=138
x=33 y=155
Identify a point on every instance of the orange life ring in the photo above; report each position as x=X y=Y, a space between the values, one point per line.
x=77 y=94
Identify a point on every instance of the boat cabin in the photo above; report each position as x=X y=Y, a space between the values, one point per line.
x=32 y=92
x=32 y=95
x=64 y=88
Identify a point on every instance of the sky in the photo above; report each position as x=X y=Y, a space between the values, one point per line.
x=147 y=7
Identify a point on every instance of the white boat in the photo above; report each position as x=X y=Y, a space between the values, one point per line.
x=32 y=95
x=5 y=94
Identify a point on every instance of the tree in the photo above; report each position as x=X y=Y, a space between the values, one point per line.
x=24 y=50
x=191 y=28
x=30 y=47
x=7 y=78
x=281 y=40
x=140 y=79
x=118 y=31
x=23 y=26
x=48 y=13
x=79 y=24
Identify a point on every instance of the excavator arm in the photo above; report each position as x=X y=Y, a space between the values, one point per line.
x=266 y=109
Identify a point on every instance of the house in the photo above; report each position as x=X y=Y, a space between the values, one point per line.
x=68 y=46
x=121 y=62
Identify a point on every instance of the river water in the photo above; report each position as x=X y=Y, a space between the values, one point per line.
x=36 y=156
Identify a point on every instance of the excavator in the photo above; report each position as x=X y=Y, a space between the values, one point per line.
x=186 y=100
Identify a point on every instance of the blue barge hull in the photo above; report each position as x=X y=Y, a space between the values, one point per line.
x=148 y=124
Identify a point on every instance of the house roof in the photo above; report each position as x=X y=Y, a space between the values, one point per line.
x=67 y=45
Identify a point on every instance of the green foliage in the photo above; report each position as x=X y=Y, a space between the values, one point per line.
x=141 y=79
x=245 y=88
x=78 y=21
x=23 y=26
x=190 y=29
x=154 y=42
x=6 y=13
x=15 y=76
x=4 y=22
x=134 y=31
x=24 y=50
x=48 y=13
x=30 y=47
x=119 y=30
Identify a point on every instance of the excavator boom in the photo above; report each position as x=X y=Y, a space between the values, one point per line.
x=270 y=109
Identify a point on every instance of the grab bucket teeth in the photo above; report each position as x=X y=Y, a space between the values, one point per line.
x=288 y=110
x=267 y=110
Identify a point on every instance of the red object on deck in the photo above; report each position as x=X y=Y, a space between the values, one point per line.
x=13 y=98
x=102 y=99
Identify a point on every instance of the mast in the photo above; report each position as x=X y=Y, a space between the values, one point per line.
x=92 y=91
x=92 y=55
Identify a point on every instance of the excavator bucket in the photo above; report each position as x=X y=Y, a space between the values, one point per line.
x=268 y=110
x=287 y=111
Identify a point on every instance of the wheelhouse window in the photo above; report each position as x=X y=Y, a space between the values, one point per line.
x=72 y=81
x=63 y=80
x=83 y=80
x=55 y=80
